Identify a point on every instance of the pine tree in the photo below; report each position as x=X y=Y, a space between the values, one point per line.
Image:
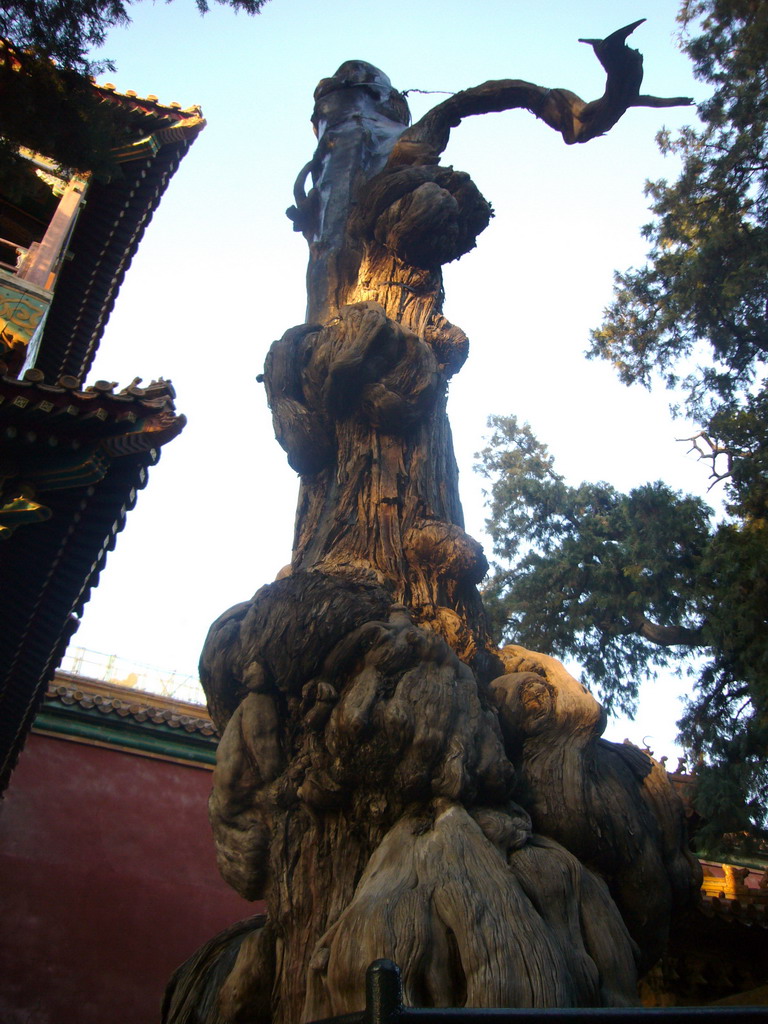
x=629 y=583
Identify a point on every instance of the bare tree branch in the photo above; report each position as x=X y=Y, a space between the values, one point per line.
x=665 y=636
x=711 y=453
x=567 y=113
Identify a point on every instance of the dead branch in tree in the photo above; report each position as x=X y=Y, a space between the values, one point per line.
x=575 y=119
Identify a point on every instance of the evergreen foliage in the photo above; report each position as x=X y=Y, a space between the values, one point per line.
x=66 y=30
x=703 y=294
x=630 y=583
x=590 y=573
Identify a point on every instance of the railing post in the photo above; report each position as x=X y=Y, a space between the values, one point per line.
x=383 y=993
x=41 y=268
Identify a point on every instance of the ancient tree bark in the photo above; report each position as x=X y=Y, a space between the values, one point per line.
x=387 y=780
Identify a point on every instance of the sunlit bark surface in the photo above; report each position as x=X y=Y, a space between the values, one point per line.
x=389 y=782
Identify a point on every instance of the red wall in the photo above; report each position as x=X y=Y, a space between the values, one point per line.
x=108 y=881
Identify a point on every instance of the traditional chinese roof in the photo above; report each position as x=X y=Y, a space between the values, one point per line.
x=84 y=453
x=718 y=950
x=109 y=230
x=74 y=456
x=734 y=910
x=738 y=883
x=110 y=715
x=130 y=420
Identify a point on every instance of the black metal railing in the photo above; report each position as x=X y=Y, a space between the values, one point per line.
x=384 y=1005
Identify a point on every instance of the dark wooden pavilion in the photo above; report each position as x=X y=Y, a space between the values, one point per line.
x=72 y=455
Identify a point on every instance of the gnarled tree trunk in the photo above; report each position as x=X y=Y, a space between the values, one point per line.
x=387 y=780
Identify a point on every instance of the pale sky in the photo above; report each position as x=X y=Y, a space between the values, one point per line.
x=220 y=275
